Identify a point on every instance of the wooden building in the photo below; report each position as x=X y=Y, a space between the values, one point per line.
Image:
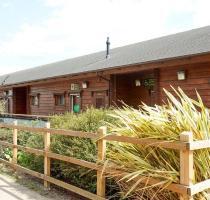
x=134 y=73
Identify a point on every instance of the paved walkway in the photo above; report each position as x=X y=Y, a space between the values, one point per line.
x=10 y=190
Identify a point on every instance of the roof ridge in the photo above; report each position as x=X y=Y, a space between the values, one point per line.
x=111 y=50
x=196 y=41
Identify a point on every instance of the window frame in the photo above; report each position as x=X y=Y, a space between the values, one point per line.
x=33 y=100
x=58 y=101
x=102 y=103
x=99 y=94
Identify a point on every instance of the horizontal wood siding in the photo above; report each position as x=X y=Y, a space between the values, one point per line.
x=122 y=85
x=197 y=78
x=47 y=91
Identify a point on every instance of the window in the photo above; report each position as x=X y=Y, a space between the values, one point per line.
x=100 y=103
x=35 y=100
x=99 y=98
x=59 y=99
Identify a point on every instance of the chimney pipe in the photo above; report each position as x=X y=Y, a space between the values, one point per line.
x=107 y=48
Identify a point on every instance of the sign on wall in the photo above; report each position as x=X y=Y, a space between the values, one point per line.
x=74 y=87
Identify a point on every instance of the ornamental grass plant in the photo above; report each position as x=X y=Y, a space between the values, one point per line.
x=179 y=113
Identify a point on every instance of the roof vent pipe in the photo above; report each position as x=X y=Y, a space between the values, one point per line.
x=107 y=48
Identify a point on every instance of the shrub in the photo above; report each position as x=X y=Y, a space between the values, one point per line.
x=29 y=160
x=6 y=135
x=85 y=149
x=88 y=121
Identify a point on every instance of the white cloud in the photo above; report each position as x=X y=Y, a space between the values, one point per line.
x=6 y=4
x=80 y=27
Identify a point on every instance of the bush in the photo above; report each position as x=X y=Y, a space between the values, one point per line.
x=6 y=135
x=85 y=149
x=29 y=160
x=88 y=121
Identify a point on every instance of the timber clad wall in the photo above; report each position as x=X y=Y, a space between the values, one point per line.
x=47 y=91
x=128 y=92
x=197 y=78
x=120 y=87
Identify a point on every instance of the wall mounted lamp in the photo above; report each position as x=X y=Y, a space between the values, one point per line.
x=137 y=82
x=84 y=84
x=181 y=75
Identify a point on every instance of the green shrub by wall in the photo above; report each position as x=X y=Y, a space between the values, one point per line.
x=85 y=149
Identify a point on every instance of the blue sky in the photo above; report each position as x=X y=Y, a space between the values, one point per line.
x=14 y=13
x=37 y=32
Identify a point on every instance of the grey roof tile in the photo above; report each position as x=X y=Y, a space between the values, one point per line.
x=196 y=41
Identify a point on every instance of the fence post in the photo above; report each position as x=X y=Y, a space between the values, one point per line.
x=47 y=163
x=101 y=146
x=15 y=151
x=186 y=164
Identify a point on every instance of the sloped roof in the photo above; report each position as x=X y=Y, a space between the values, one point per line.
x=196 y=41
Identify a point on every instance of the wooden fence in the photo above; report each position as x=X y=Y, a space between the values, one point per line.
x=185 y=146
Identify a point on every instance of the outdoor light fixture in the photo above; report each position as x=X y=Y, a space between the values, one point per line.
x=10 y=92
x=84 y=84
x=181 y=75
x=138 y=83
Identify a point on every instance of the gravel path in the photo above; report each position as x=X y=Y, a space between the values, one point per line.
x=10 y=190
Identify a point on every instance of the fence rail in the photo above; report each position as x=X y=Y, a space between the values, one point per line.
x=22 y=116
x=186 y=189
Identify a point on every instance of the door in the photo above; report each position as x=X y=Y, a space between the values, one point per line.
x=20 y=100
x=75 y=103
